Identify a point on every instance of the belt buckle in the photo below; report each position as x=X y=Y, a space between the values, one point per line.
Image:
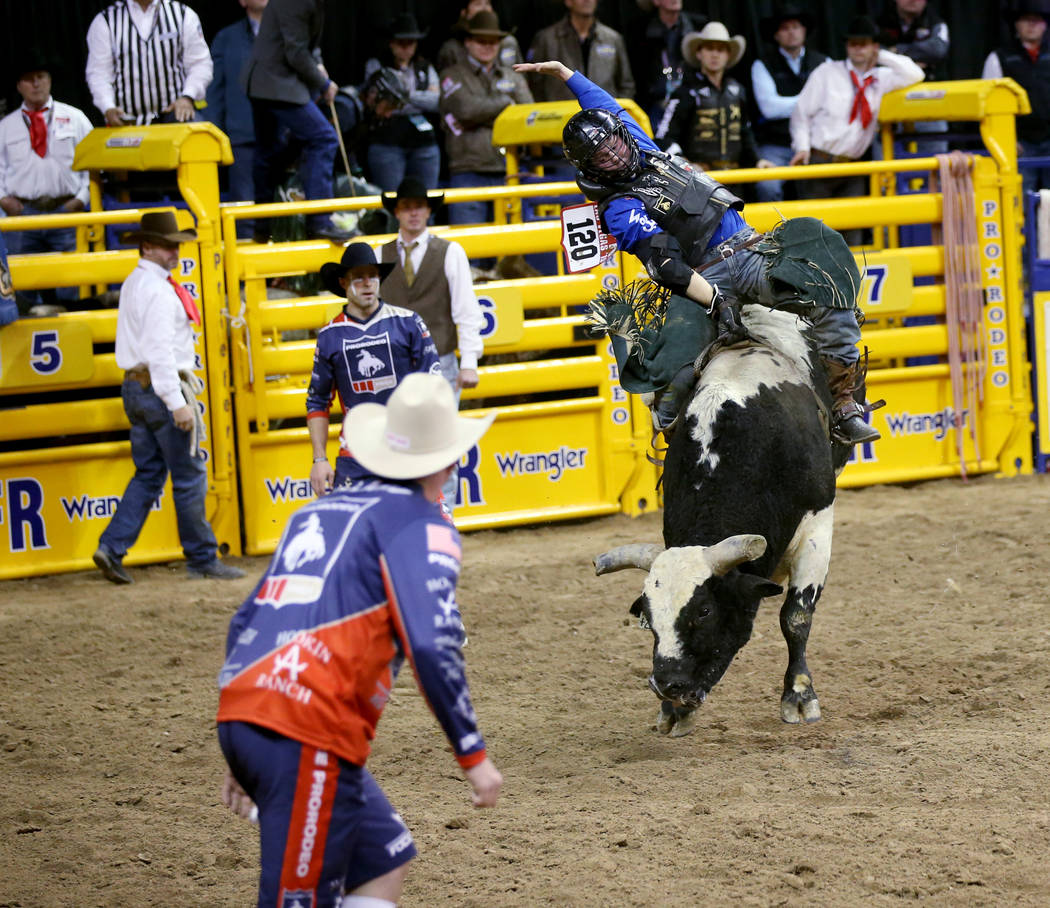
x=725 y=251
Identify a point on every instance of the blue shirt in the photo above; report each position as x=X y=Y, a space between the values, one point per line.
x=626 y=217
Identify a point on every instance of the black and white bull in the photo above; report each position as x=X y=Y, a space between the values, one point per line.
x=749 y=493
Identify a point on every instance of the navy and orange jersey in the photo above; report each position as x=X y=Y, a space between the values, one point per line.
x=364 y=361
x=362 y=578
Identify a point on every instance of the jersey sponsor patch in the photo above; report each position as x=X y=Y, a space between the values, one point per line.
x=370 y=363
x=443 y=539
x=280 y=590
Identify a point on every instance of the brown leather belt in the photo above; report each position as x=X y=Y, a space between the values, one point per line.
x=140 y=374
x=816 y=156
x=46 y=202
x=725 y=250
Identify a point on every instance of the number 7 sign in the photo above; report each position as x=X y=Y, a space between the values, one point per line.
x=582 y=239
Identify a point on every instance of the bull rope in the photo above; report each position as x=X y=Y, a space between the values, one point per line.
x=964 y=299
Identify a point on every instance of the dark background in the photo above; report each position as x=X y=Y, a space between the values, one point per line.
x=355 y=29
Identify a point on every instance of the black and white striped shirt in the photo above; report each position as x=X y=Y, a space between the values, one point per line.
x=142 y=60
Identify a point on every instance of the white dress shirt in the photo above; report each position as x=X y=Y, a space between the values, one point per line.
x=153 y=330
x=821 y=115
x=771 y=104
x=101 y=69
x=26 y=175
x=466 y=312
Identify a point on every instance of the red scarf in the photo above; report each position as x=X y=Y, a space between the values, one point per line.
x=188 y=303
x=38 y=130
x=860 y=100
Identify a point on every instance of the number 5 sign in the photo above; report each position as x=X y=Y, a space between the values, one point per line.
x=582 y=239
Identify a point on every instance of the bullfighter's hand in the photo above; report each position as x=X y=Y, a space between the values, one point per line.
x=467 y=378
x=183 y=417
x=183 y=109
x=549 y=68
x=486 y=781
x=235 y=797
x=115 y=117
x=322 y=477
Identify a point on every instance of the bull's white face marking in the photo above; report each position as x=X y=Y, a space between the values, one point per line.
x=672 y=578
x=806 y=559
x=734 y=377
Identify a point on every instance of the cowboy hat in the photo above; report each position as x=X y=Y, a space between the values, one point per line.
x=1027 y=8
x=417 y=433
x=354 y=255
x=159 y=227
x=713 y=33
x=405 y=28
x=412 y=188
x=483 y=24
x=863 y=27
x=784 y=12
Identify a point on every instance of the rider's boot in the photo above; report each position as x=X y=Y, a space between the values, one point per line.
x=847 y=414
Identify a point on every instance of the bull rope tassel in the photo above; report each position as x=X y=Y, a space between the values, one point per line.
x=963 y=298
x=628 y=310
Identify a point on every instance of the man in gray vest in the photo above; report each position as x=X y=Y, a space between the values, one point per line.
x=432 y=277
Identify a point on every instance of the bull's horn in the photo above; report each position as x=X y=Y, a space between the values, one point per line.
x=636 y=555
x=735 y=550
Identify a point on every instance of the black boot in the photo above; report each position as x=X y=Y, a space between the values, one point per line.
x=847 y=414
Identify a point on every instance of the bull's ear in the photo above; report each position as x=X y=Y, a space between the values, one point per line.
x=637 y=606
x=759 y=587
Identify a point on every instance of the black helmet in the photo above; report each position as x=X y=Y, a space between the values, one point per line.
x=385 y=85
x=594 y=129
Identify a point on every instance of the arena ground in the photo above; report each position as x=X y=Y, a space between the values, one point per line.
x=927 y=778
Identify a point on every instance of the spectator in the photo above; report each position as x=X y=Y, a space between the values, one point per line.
x=1026 y=59
x=147 y=62
x=362 y=355
x=472 y=95
x=370 y=574
x=912 y=28
x=656 y=53
x=228 y=105
x=406 y=142
x=431 y=276
x=8 y=306
x=453 y=51
x=285 y=76
x=360 y=110
x=777 y=78
x=37 y=143
x=587 y=46
x=837 y=112
x=706 y=119
x=155 y=348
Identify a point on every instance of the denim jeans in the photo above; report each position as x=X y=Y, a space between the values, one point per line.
x=773 y=190
x=1034 y=178
x=388 y=165
x=742 y=277
x=31 y=242
x=274 y=121
x=157 y=448
x=242 y=183
x=450 y=369
x=472 y=212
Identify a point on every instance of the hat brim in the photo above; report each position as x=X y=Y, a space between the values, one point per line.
x=172 y=239
x=364 y=430
x=332 y=271
x=434 y=199
x=409 y=36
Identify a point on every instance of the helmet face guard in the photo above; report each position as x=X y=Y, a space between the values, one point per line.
x=601 y=147
x=384 y=85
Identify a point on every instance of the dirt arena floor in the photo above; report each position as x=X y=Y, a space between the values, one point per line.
x=926 y=780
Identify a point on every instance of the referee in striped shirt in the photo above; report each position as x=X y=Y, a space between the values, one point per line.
x=147 y=62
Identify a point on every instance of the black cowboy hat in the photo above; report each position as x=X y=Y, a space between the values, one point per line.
x=34 y=59
x=1027 y=8
x=863 y=27
x=353 y=255
x=782 y=12
x=412 y=188
x=159 y=227
x=405 y=28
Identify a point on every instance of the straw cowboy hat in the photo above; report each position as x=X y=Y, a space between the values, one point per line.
x=159 y=227
x=354 y=255
x=413 y=188
x=713 y=33
x=417 y=433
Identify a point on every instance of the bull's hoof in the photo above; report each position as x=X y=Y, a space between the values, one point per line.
x=793 y=711
x=676 y=721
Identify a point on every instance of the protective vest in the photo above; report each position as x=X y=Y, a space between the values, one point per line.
x=778 y=132
x=1034 y=78
x=428 y=296
x=715 y=132
x=685 y=202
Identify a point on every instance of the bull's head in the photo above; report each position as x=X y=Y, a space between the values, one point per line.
x=699 y=606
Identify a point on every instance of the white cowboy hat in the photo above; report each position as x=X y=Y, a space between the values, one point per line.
x=417 y=433
x=713 y=32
